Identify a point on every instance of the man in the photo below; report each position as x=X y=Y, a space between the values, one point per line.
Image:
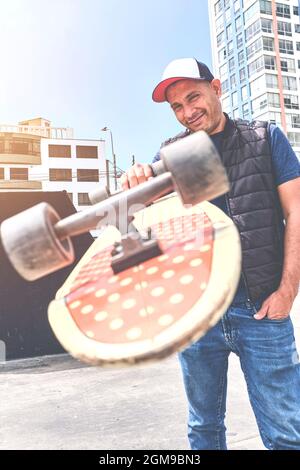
x=264 y=177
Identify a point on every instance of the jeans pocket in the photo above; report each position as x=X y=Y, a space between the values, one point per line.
x=243 y=310
x=278 y=320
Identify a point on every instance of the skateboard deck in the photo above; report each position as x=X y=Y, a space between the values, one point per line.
x=159 y=306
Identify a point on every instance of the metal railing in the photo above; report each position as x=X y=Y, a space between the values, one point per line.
x=42 y=131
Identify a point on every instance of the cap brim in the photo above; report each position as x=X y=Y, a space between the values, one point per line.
x=159 y=93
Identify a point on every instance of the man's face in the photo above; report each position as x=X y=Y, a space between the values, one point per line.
x=196 y=104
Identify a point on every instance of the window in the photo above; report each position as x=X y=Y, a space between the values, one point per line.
x=246 y=111
x=239 y=40
x=298 y=64
x=60 y=151
x=219 y=24
x=1 y=173
x=225 y=86
x=268 y=44
x=86 y=151
x=222 y=54
x=270 y=63
x=289 y=83
x=236 y=5
x=14 y=145
x=70 y=196
x=242 y=75
x=229 y=32
x=273 y=100
x=220 y=39
x=265 y=7
x=295 y=120
x=254 y=48
x=271 y=81
x=258 y=86
x=287 y=65
x=296 y=11
x=274 y=118
x=19 y=147
x=255 y=66
x=284 y=29
x=294 y=138
x=298 y=46
x=218 y=7
x=233 y=81
x=230 y=48
x=87 y=175
x=246 y=3
x=266 y=25
x=223 y=71
x=227 y=3
x=283 y=10
x=60 y=174
x=252 y=30
x=83 y=199
x=291 y=101
x=227 y=15
x=285 y=46
x=251 y=11
x=244 y=91
x=234 y=98
x=19 y=174
x=238 y=24
x=241 y=58
x=231 y=64
x=226 y=103
x=258 y=104
x=297 y=28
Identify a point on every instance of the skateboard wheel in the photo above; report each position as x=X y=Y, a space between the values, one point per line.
x=196 y=168
x=31 y=244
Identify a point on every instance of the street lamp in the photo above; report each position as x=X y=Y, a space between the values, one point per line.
x=105 y=129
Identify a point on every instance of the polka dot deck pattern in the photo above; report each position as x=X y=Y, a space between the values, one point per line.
x=143 y=301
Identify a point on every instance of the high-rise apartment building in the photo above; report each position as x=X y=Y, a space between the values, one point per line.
x=256 y=55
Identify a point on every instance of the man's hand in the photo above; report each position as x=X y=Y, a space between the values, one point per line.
x=276 y=307
x=137 y=174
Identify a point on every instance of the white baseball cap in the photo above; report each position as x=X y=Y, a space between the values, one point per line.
x=180 y=69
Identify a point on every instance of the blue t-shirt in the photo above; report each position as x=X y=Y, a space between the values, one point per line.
x=286 y=167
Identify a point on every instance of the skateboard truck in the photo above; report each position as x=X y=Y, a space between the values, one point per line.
x=133 y=250
x=38 y=242
x=103 y=193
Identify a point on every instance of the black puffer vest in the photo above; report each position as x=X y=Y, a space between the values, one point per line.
x=253 y=203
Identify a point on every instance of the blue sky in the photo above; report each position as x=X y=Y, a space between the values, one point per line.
x=87 y=64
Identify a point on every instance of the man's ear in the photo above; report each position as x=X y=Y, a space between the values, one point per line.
x=216 y=86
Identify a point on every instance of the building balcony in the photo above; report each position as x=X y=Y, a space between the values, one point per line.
x=18 y=158
x=20 y=184
x=20 y=149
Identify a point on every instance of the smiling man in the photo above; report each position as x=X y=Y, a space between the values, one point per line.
x=195 y=102
x=264 y=203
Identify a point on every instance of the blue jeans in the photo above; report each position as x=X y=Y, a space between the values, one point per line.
x=269 y=360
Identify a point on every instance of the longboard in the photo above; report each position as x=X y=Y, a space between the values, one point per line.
x=159 y=306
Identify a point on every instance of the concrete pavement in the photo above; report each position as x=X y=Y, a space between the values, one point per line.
x=58 y=403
